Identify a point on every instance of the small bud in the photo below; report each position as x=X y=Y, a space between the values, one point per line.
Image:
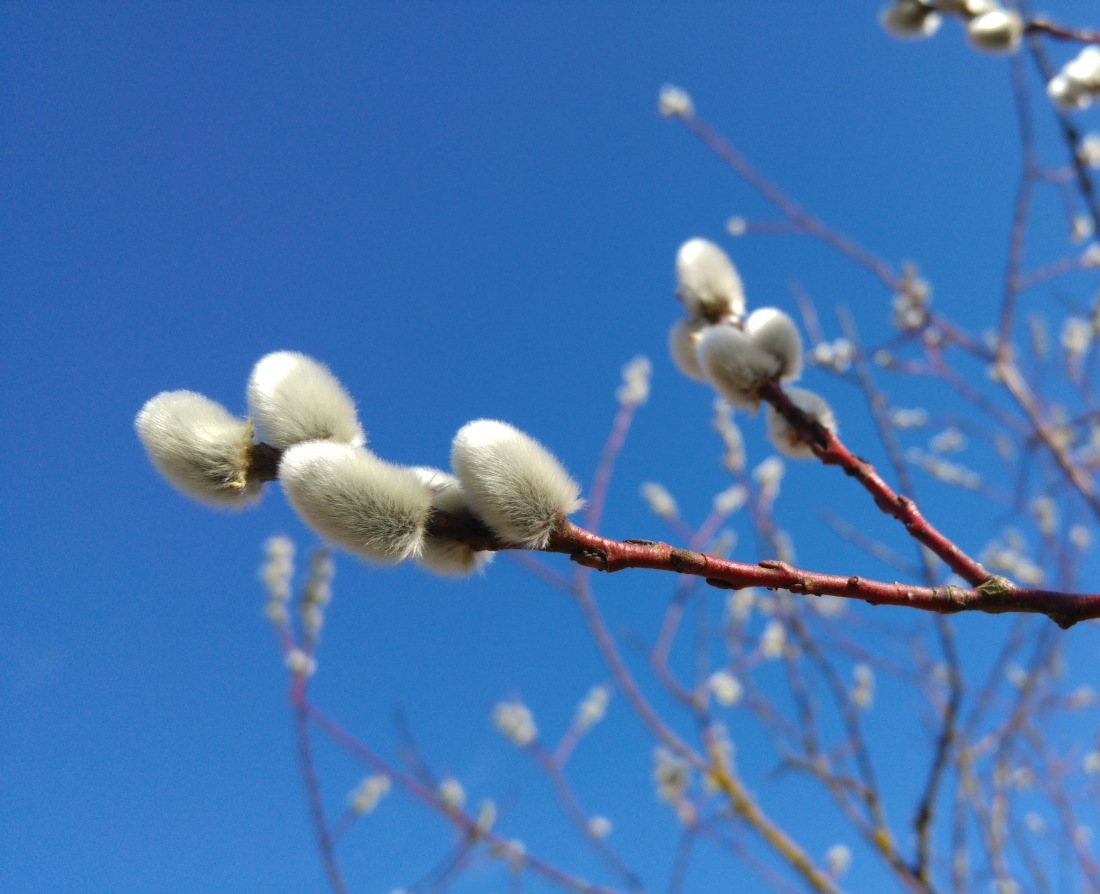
x=786 y=438
x=349 y=496
x=1067 y=94
x=512 y=483
x=293 y=398
x=773 y=641
x=1088 y=150
x=683 y=345
x=199 y=446
x=301 y=663
x=452 y=793
x=775 y=332
x=996 y=31
x=592 y=708
x=448 y=557
x=673 y=102
x=661 y=502
x=727 y=689
x=515 y=720
x=368 y=793
x=735 y=365
x=634 y=390
x=909 y=19
x=599 y=827
x=707 y=283
x=837 y=859
x=1078 y=81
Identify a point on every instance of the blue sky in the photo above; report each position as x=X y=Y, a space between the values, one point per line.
x=465 y=210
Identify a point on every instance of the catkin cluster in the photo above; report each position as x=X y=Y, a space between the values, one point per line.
x=343 y=491
x=989 y=26
x=737 y=355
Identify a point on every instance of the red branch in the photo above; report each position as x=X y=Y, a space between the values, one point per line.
x=991 y=594
x=828 y=448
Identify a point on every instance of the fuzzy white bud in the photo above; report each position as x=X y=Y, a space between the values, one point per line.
x=996 y=31
x=707 y=282
x=592 y=708
x=773 y=331
x=683 y=344
x=837 y=859
x=674 y=102
x=727 y=689
x=1077 y=83
x=452 y=793
x=786 y=438
x=661 y=502
x=773 y=641
x=294 y=398
x=351 y=497
x=1066 y=93
x=735 y=365
x=516 y=721
x=909 y=19
x=448 y=557
x=511 y=482
x=365 y=797
x=634 y=390
x=199 y=446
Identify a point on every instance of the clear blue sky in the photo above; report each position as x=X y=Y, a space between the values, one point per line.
x=466 y=210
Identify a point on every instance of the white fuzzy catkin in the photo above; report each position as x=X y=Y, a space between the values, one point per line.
x=784 y=436
x=512 y=483
x=734 y=364
x=683 y=344
x=775 y=332
x=996 y=31
x=448 y=557
x=349 y=496
x=199 y=446
x=909 y=19
x=294 y=398
x=707 y=282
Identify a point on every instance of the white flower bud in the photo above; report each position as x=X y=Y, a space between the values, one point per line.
x=727 y=689
x=1088 y=150
x=837 y=859
x=199 y=446
x=511 y=482
x=707 y=282
x=784 y=436
x=634 y=390
x=661 y=502
x=592 y=708
x=1068 y=94
x=773 y=641
x=1084 y=68
x=996 y=31
x=1075 y=85
x=775 y=332
x=734 y=364
x=294 y=398
x=516 y=721
x=365 y=797
x=674 y=102
x=452 y=793
x=683 y=344
x=299 y=662
x=909 y=19
x=448 y=557
x=349 y=496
